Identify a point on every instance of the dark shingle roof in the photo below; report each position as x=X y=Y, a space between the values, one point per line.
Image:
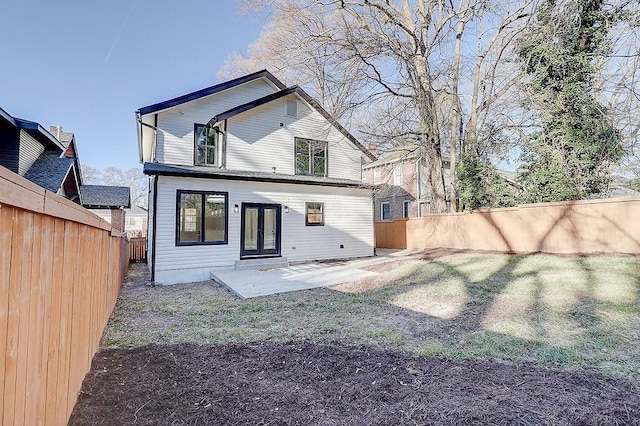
x=213 y=173
x=105 y=197
x=49 y=171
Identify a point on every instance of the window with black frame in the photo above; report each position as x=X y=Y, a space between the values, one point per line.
x=314 y=215
x=311 y=157
x=201 y=217
x=206 y=145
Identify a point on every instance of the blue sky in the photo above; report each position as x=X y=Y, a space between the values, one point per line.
x=89 y=65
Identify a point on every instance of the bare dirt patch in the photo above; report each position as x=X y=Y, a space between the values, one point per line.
x=337 y=384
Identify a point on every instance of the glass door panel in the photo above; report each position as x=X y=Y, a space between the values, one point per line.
x=251 y=228
x=270 y=229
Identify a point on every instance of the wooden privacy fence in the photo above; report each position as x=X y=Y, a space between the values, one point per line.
x=60 y=273
x=137 y=249
x=590 y=226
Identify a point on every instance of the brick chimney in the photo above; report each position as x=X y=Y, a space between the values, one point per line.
x=117 y=221
x=55 y=131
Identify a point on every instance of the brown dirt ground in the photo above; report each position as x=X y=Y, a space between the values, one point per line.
x=338 y=384
x=341 y=383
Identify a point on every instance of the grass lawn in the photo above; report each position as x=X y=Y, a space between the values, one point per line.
x=549 y=311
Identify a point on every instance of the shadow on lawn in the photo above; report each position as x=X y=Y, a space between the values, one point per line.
x=549 y=309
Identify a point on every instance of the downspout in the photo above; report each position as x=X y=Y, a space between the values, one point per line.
x=373 y=210
x=155 y=227
x=223 y=160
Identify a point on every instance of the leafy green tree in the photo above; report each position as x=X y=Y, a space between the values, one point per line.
x=481 y=186
x=572 y=156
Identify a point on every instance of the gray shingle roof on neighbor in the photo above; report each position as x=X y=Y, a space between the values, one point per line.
x=105 y=197
x=49 y=171
x=213 y=173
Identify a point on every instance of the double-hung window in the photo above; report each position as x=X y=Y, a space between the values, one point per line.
x=385 y=211
x=311 y=157
x=397 y=174
x=206 y=145
x=377 y=175
x=201 y=217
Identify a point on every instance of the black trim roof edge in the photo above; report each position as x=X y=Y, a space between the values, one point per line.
x=4 y=114
x=202 y=175
x=37 y=131
x=210 y=91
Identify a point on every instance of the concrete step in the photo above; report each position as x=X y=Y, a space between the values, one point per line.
x=261 y=263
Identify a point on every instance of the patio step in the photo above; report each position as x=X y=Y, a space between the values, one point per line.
x=265 y=263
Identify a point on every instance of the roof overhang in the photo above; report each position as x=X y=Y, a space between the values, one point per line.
x=155 y=169
x=264 y=74
x=39 y=133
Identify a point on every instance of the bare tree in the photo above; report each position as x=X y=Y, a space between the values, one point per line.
x=133 y=178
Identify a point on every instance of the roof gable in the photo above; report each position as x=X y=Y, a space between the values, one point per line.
x=210 y=91
x=49 y=171
x=303 y=95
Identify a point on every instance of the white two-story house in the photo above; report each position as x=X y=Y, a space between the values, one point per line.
x=250 y=172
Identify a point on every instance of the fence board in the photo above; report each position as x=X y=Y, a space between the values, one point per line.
x=34 y=335
x=54 y=352
x=60 y=270
x=6 y=233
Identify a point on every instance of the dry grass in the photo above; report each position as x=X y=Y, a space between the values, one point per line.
x=547 y=310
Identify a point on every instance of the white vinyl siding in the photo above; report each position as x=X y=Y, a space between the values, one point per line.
x=175 y=142
x=257 y=142
x=348 y=220
x=30 y=150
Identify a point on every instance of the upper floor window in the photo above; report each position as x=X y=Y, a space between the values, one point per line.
x=397 y=174
x=377 y=175
x=206 y=145
x=311 y=157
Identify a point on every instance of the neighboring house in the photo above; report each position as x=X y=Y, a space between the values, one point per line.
x=246 y=170
x=114 y=199
x=29 y=150
x=401 y=184
x=49 y=158
x=400 y=181
x=135 y=222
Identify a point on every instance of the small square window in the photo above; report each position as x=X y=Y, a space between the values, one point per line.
x=385 y=211
x=292 y=108
x=314 y=214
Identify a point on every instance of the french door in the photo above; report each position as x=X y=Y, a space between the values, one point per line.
x=260 y=230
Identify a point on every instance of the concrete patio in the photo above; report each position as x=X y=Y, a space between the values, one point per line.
x=255 y=283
